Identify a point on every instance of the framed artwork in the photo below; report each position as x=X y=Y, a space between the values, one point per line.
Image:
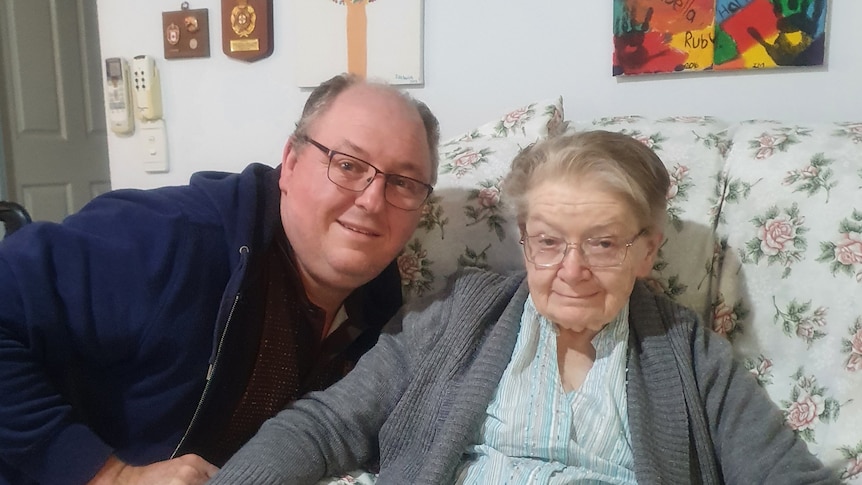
x=653 y=36
x=380 y=39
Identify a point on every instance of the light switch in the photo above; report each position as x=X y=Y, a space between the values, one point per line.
x=155 y=146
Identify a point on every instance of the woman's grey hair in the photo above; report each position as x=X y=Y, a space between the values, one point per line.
x=322 y=96
x=616 y=162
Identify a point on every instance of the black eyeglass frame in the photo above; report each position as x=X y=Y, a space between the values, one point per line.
x=330 y=154
x=579 y=246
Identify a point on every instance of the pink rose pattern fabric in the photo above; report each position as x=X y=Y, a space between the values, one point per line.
x=514 y=122
x=776 y=140
x=852 y=347
x=779 y=238
x=791 y=277
x=808 y=406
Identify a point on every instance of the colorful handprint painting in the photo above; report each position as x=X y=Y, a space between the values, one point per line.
x=657 y=36
x=381 y=39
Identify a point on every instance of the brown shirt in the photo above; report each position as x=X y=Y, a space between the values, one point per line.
x=294 y=357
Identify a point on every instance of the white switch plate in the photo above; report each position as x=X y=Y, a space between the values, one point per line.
x=154 y=146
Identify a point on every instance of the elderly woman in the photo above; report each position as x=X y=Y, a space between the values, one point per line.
x=574 y=372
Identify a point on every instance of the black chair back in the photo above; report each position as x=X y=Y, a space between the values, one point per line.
x=13 y=216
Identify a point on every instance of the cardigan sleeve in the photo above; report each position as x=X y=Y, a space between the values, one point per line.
x=751 y=440
x=330 y=432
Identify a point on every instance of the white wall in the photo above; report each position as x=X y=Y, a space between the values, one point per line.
x=482 y=58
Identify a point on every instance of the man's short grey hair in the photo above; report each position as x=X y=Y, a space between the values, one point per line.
x=321 y=98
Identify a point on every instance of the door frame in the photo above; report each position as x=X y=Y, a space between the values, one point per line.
x=5 y=186
x=4 y=183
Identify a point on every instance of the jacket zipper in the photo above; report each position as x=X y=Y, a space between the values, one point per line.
x=211 y=368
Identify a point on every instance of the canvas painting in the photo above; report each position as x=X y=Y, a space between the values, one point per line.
x=379 y=39
x=655 y=36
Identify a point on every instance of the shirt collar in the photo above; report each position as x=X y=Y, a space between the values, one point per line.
x=614 y=332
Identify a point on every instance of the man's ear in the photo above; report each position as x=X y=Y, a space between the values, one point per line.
x=652 y=241
x=288 y=161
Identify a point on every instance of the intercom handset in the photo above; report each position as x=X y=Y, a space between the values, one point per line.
x=118 y=96
x=147 y=88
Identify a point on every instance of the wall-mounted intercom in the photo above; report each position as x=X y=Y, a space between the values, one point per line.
x=147 y=88
x=133 y=91
x=118 y=96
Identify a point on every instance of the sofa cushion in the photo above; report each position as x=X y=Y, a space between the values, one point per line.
x=464 y=222
x=791 y=281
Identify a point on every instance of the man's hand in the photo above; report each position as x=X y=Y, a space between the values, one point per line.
x=184 y=470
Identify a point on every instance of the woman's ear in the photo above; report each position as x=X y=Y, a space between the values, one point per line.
x=652 y=243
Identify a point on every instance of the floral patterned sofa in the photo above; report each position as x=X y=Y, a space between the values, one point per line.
x=764 y=240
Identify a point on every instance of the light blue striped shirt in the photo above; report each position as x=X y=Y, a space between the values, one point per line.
x=536 y=433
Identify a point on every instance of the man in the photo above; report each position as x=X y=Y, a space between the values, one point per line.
x=173 y=322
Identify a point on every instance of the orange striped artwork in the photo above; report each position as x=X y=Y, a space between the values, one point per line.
x=357 y=36
x=380 y=39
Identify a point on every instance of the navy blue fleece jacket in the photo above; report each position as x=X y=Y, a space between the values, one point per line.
x=110 y=321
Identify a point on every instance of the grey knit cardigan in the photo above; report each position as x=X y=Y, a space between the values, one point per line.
x=418 y=399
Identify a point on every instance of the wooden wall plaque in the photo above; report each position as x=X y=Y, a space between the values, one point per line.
x=246 y=29
x=186 y=33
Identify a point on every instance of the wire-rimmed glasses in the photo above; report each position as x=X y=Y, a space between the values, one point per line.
x=597 y=252
x=355 y=174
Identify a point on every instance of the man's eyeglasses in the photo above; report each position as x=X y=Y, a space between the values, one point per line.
x=598 y=252
x=351 y=173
